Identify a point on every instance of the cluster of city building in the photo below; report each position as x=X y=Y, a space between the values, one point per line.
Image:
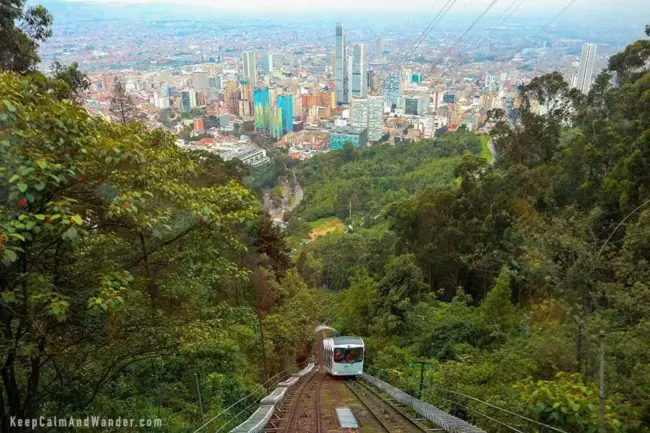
x=359 y=95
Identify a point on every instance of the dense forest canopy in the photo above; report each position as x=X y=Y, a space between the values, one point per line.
x=503 y=279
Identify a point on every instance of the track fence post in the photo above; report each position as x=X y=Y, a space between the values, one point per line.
x=602 y=382
x=198 y=391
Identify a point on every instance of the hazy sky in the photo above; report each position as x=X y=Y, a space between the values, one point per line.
x=406 y=6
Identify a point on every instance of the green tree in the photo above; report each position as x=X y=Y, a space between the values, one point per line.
x=122 y=106
x=124 y=264
x=21 y=31
x=76 y=82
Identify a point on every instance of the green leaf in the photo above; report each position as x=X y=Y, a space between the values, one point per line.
x=9 y=257
x=40 y=217
x=71 y=234
x=10 y=106
x=8 y=297
x=77 y=220
x=14 y=178
x=26 y=171
x=42 y=163
x=22 y=187
x=17 y=236
x=40 y=186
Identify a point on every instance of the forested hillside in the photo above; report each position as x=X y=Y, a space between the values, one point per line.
x=129 y=266
x=503 y=280
x=366 y=182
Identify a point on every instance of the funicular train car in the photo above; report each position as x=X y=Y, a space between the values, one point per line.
x=343 y=356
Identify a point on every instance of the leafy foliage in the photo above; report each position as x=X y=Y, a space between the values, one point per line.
x=21 y=30
x=75 y=82
x=519 y=264
x=371 y=179
x=122 y=106
x=128 y=266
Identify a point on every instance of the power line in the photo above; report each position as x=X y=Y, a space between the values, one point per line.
x=436 y=20
x=485 y=11
x=504 y=12
x=497 y=24
x=556 y=17
x=426 y=31
x=415 y=34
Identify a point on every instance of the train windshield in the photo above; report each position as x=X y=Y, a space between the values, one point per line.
x=349 y=355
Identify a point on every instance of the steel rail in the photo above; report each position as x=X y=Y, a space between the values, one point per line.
x=367 y=406
x=395 y=408
x=297 y=398
x=318 y=388
x=382 y=400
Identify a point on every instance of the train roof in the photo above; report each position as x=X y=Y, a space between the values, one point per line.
x=348 y=341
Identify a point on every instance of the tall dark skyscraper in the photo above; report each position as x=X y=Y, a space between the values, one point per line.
x=359 y=78
x=341 y=70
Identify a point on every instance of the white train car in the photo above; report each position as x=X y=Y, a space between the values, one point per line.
x=343 y=356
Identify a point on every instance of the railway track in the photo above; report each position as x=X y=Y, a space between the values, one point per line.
x=389 y=416
x=301 y=403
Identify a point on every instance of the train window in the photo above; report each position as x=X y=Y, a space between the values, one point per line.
x=348 y=356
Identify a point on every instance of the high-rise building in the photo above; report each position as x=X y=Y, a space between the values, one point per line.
x=347 y=94
x=297 y=105
x=359 y=112
x=415 y=106
x=371 y=80
x=375 y=117
x=200 y=80
x=246 y=90
x=244 y=108
x=393 y=88
x=586 y=67
x=367 y=113
x=194 y=101
x=250 y=67
x=231 y=96
x=267 y=63
x=285 y=104
x=359 y=86
x=341 y=68
x=379 y=48
x=262 y=108
x=186 y=104
x=262 y=97
x=218 y=82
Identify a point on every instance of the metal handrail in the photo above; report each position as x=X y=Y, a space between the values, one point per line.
x=429 y=386
x=262 y=386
